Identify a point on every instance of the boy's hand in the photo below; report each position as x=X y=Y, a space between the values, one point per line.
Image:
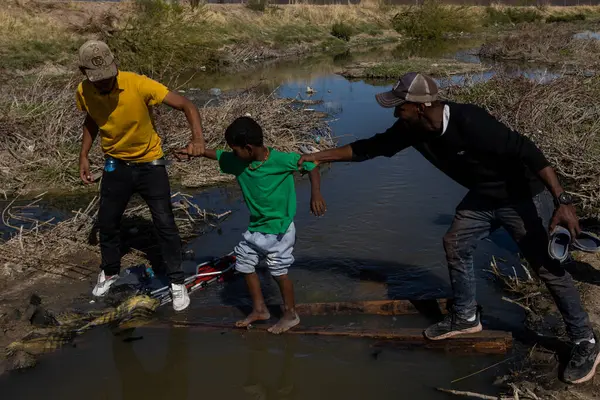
x=182 y=155
x=317 y=205
x=194 y=149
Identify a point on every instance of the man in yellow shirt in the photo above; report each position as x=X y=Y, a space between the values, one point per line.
x=117 y=106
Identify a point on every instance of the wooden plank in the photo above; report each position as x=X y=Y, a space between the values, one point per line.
x=373 y=307
x=376 y=307
x=486 y=342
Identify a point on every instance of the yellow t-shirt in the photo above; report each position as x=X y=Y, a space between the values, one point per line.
x=123 y=116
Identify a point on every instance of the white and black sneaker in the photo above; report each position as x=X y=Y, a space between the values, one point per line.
x=452 y=326
x=180 y=296
x=104 y=284
x=584 y=360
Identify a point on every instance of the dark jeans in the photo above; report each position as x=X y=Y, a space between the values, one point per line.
x=152 y=183
x=527 y=223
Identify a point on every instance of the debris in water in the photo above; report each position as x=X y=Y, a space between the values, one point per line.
x=376 y=354
x=587 y=35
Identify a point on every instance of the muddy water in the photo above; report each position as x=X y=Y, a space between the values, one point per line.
x=380 y=239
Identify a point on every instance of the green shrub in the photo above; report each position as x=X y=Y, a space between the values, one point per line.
x=195 y=3
x=433 y=20
x=257 y=5
x=342 y=31
x=155 y=42
x=566 y=18
x=511 y=15
x=155 y=8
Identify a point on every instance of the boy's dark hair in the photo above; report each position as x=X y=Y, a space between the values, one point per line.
x=244 y=131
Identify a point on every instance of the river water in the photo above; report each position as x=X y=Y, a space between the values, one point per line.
x=380 y=239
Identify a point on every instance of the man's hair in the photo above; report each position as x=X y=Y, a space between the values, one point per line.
x=244 y=131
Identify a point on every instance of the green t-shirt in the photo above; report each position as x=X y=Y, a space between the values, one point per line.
x=269 y=190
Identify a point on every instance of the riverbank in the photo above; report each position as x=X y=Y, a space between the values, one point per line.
x=162 y=39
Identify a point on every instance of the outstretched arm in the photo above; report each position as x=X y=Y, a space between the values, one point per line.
x=317 y=202
x=196 y=146
x=210 y=153
x=343 y=153
x=386 y=144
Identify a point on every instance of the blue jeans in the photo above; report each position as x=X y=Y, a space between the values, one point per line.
x=527 y=223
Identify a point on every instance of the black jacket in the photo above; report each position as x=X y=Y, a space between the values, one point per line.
x=476 y=150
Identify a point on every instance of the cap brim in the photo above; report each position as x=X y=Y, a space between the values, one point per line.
x=95 y=75
x=388 y=100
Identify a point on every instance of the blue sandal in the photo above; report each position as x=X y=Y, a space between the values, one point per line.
x=587 y=242
x=558 y=246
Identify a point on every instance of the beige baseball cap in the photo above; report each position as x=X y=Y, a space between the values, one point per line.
x=412 y=87
x=97 y=61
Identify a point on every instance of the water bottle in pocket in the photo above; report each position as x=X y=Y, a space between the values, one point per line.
x=110 y=164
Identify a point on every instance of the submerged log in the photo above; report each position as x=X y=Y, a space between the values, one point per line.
x=433 y=307
x=486 y=342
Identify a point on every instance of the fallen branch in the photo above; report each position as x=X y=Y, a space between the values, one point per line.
x=482 y=370
x=472 y=394
x=518 y=304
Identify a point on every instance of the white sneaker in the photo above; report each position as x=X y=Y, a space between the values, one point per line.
x=104 y=283
x=180 y=296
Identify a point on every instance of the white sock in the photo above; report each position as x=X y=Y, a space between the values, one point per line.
x=473 y=318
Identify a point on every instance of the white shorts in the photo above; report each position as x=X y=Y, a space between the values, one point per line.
x=277 y=249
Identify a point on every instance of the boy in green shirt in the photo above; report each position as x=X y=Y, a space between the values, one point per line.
x=266 y=178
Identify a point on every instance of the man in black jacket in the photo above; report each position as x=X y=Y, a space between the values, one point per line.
x=511 y=184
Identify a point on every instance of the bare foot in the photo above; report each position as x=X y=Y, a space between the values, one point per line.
x=287 y=322
x=254 y=316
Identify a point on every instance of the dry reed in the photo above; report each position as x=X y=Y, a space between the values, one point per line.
x=46 y=248
x=546 y=44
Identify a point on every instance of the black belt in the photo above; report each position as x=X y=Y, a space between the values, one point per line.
x=160 y=161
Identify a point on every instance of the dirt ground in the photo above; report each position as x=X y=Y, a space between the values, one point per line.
x=537 y=373
x=58 y=292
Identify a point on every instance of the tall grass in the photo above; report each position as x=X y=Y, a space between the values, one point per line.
x=433 y=20
x=511 y=15
x=545 y=44
x=566 y=18
x=29 y=40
